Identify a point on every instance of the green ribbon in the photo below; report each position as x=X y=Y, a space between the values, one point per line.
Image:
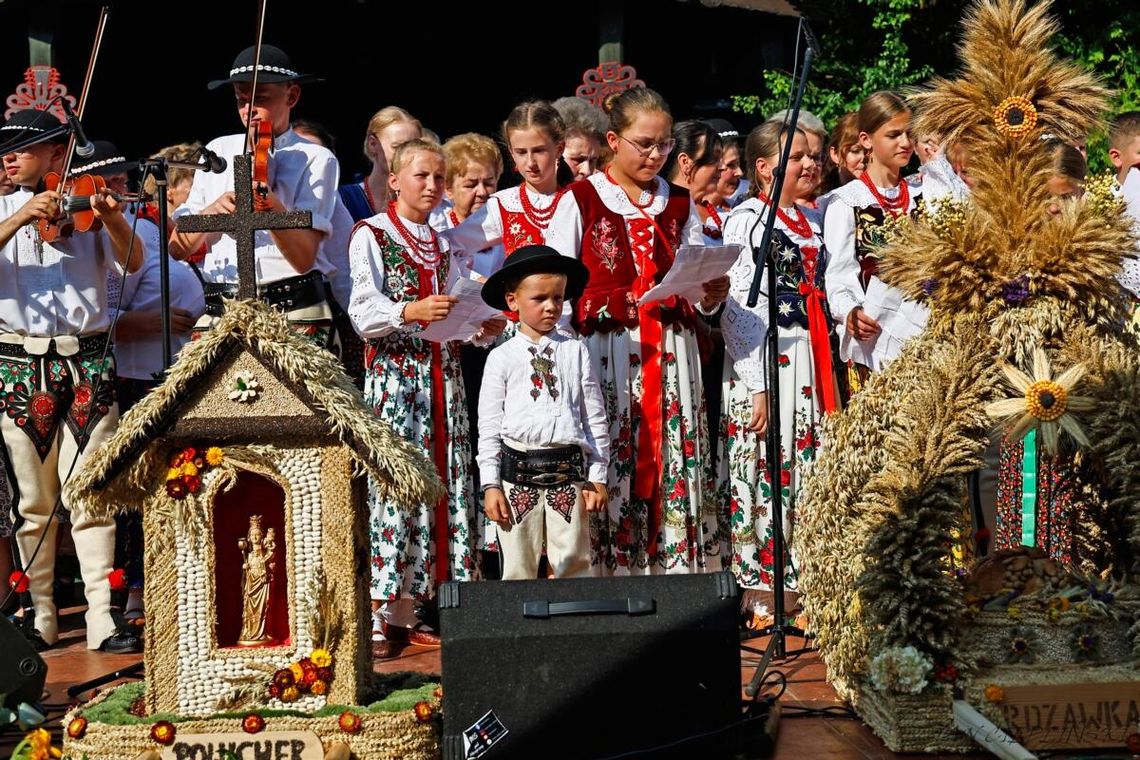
x=1029 y=490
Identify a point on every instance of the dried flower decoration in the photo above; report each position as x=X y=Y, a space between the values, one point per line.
x=244 y=387
x=1015 y=117
x=1045 y=403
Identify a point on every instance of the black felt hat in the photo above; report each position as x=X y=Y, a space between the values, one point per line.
x=274 y=66
x=105 y=161
x=534 y=259
x=28 y=122
x=723 y=127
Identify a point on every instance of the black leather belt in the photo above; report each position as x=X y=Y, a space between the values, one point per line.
x=88 y=344
x=293 y=293
x=542 y=467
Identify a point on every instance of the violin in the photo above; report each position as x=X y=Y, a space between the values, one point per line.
x=76 y=214
x=262 y=144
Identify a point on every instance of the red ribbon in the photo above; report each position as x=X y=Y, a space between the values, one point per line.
x=818 y=332
x=442 y=528
x=651 y=406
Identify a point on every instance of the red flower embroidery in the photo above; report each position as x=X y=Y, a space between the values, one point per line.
x=806 y=390
x=785 y=477
x=784 y=361
x=689 y=447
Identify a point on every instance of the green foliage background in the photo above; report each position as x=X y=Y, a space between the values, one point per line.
x=869 y=45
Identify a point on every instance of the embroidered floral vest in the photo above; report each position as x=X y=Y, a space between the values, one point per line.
x=796 y=266
x=869 y=239
x=608 y=302
x=518 y=231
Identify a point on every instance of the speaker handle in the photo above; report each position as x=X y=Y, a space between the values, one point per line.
x=629 y=606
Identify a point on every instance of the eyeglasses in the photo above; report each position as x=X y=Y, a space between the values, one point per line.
x=663 y=148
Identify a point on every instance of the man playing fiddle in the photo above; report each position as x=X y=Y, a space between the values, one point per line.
x=57 y=375
x=302 y=176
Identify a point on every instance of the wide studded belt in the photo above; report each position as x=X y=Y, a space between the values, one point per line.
x=290 y=294
x=544 y=468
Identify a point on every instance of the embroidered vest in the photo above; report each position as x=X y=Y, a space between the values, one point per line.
x=609 y=302
x=869 y=239
x=518 y=231
x=795 y=265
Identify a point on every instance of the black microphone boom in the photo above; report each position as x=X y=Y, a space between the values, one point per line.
x=83 y=147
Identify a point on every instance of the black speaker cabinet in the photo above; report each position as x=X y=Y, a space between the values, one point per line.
x=22 y=670
x=591 y=667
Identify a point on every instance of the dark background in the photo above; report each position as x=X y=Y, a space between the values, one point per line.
x=456 y=66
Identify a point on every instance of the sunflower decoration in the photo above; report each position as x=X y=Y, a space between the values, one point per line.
x=1046 y=403
x=1015 y=117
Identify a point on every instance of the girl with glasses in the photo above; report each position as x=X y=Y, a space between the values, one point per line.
x=625 y=224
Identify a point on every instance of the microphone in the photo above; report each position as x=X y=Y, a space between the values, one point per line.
x=83 y=147
x=215 y=164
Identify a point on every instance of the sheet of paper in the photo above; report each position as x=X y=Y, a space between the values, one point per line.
x=899 y=318
x=465 y=317
x=693 y=266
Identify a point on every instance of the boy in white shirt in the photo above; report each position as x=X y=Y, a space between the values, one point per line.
x=57 y=377
x=544 y=439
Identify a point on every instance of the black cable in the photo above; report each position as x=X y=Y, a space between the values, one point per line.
x=91 y=421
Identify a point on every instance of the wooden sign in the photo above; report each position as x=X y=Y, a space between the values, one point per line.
x=267 y=745
x=1073 y=716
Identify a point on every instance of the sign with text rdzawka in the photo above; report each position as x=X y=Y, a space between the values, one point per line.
x=1072 y=716
x=266 y=745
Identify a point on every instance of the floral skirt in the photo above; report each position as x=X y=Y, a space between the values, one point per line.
x=405 y=556
x=688 y=535
x=743 y=475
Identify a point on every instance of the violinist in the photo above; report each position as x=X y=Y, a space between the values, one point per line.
x=57 y=375
x=290 y=264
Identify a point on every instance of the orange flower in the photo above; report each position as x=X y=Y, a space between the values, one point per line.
x=252 y=723
x=424 y=711
x=214 y=456
x=438 y=693
x=163 y=732
x=995 y=693
x=349 y=722
x=319 y=688
x=77 y=727
x=291 y=694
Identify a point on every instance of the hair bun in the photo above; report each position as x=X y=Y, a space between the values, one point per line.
x=609 y=101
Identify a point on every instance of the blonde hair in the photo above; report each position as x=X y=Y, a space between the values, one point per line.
x=764 y=141
x=175 y=175
x=403 y=153
x=385 y=118
x=461 y=151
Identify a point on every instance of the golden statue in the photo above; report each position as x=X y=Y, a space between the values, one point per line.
x=257 y=568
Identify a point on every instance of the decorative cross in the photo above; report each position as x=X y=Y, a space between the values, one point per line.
x=244 y=223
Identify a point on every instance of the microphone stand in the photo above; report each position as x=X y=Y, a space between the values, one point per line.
x=779 y=630
x=157 y=167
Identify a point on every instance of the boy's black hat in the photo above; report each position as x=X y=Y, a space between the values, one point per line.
x=535 y=259
x=274 y=66
x=28 y=122
x=105 y=161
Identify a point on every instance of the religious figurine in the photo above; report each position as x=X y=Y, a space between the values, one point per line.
x=257 y=569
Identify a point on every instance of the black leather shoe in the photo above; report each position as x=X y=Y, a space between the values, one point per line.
x=121 y=642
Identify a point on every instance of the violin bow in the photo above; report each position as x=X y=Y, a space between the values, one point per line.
x=250 y=137
x=83 y=93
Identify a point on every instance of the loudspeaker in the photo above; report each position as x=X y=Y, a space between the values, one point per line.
x=22 y=670
x=591 y=667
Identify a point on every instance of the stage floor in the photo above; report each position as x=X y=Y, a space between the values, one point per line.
x=799 y=738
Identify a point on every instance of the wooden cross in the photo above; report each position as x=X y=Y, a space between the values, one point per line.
x=244 y=223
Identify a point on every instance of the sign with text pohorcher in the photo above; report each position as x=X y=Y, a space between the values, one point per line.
x=1073 y=716
x=267 y=745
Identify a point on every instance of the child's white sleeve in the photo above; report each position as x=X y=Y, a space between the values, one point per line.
x=492 y=397
x=595 y=424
